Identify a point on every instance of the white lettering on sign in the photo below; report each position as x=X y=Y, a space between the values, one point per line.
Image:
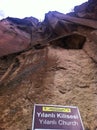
x=62 y=122
x=61 y=115
x=47 y=122
x=45 y=115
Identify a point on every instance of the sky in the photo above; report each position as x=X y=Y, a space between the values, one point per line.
x=35 y=8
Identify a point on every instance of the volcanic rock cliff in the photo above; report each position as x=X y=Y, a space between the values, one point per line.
x=49 y=62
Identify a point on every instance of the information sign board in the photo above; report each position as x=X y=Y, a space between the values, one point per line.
x=53 y=117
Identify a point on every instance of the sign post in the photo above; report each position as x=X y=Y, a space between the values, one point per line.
x=53 y=117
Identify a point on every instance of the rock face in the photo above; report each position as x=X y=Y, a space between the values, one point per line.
x=53 y=62
x=87 y=10
x=12 y=39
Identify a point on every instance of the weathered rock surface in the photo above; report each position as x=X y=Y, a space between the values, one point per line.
x=12 y=39
x=53 y=62
x=86 y=10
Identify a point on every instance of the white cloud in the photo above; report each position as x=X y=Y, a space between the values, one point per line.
x=1 y=14
x=36 y=8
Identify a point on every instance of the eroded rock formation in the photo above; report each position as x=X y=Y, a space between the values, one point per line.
x=53 y=62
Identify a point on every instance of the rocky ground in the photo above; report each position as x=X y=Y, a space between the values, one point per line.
x=53 y=62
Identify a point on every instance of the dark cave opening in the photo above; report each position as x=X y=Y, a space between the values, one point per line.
x=73 y=41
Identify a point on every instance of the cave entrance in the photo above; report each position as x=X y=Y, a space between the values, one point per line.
x=73 y=41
